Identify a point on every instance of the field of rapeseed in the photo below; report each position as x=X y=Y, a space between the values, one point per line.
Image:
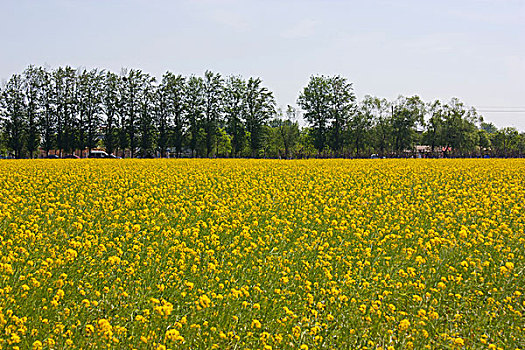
x=238 y=254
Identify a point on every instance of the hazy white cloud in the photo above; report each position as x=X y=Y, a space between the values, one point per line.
x=301 y=29
x=489 y=17
x=515 y=66
x=436 y=43
x=231 y=19
x=497 y=12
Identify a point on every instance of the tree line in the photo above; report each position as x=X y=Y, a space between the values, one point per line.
x=66 y=110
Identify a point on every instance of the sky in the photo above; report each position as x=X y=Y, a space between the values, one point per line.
x=470 y=49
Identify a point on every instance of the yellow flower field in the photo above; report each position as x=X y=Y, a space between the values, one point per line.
x=262 y=254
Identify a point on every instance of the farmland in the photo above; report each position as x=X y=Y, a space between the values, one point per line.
x=261 y=254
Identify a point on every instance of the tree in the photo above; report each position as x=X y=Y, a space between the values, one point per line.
x=163 y=115
x=194 y=105
x=223 y=143
x=305 y=144
x=489 y=127
x=483 y=140
x=329 y=106
x=89 y=108
x=146 y=117
x=48 y=121
x=67 y=109
x=234 y=103
x=171 y=116
x=315 y=100
x=407 y=114
x=505 y=141
x=260 y=106
x=433 y=135
x=343 y=116
x=361 y=123
x=65 y=98
x=285 y=132
x=111 y=107
x=33 y=85
x=13 y=105
x=378 y=111
x=176 y=90
x=272 y=145
x=459 y=131
x=212 y=92
x=520 y=144
x=134 y=86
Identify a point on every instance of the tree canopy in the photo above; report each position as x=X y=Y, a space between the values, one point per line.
x=68 y=110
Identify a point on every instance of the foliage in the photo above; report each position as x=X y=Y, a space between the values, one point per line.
x=74 y=110
x=315 y=101
x=14 y=114
x=329 y=105
x=235 y=112
x=212 y=112
x=259 y=108
x=407 y=114
x=111 y=105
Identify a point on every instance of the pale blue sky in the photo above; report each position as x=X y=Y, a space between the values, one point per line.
x=471 y=49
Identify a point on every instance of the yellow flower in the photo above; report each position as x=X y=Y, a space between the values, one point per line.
x=106 y=252
x=404 y=325
x=105 y=328
x=459 y=341
x=174 y=335
x=204 y=301
x=256 y=324
x=71 y=254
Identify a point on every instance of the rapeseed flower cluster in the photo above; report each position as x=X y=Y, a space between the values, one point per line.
x=262 y=254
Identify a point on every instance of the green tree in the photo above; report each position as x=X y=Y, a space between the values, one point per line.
x=111 y=107
x=146 y=117
x=408 y=113
x=360 y=124
x=379 y=110
x=433 y=136
x=315 y=100
x=134 y=86
x=234 y=111
x=483 y=140
x=343 y=116
x=15 y=112
x=459 y=130
x=489 y=127
x=329 y=106
x=194 y=106
x=272 y=145
x=48 y=115
x=32 y=82
x=260 y=106
x=171 y=116
x=306 y=143
x=520 y=144
x=285 y=132
x=224 y=146
x=212 y=92
x=65 y=98
x=89 y=100
x=505 y=141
